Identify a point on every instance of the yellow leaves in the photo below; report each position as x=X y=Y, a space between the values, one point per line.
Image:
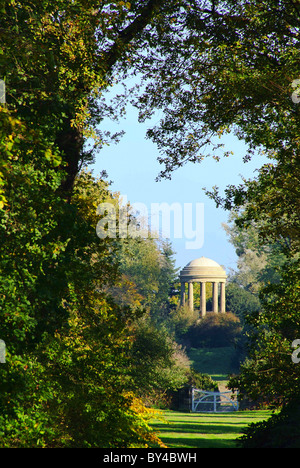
x=3 y=202
x=146 y=415
x=125 y=4
x=54 y=159
x=138 y=406
x=48 y=154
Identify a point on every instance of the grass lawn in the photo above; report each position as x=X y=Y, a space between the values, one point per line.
x=216 y=362
x=200 y=430
x=207 y=430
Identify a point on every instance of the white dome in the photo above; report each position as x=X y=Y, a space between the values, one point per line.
x=203 y=269
x=203 y=262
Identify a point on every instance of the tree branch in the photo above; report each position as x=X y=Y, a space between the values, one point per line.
x=131 y=31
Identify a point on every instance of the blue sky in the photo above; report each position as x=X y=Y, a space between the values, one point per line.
x=132 y=167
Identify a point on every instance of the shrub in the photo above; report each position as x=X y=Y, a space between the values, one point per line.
x=281 y=430
x=240 y=301
x=215 y=330
x=181 y=320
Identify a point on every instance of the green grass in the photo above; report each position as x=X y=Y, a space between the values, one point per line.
x=216 y=362
x=203 y=430
x=199 y=430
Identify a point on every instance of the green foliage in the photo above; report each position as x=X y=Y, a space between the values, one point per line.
x=157 y=363
x=148 y=264
x=215 y=330
x=167 y=295
x=64 y=382
x=28 y=228
x=269 y=375
x=181 y=319
x=66 y=379
x=140 y=262
x=240 y=301
x=58 y=58
x=235 y=62
x=259 y=259
x=180 y=398
x=202 y=381
x=281 y=430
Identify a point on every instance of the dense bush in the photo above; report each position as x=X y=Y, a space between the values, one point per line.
x=180 y=321
x=214 y=331
x=281 y=430
x=240 y=301
x=157 y=363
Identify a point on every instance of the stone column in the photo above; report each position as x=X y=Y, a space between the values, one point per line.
x=182 y=294
x=191 y=296
x=215 y=297
x=223 y=303
x=203 y=298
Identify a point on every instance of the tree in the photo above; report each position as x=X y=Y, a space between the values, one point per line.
x=65 y=382
x=240 y=301
x=58 y=58
x=168 y=274
x=180 y=320
x=252 y=256
x=258 y=261
x=279 y=431
x=230 y=65
x=272 y=324
x=157 y=363
x=211 y=67
x=140 y=262
x=269 y=375
x=147 y=264
x=64 y=335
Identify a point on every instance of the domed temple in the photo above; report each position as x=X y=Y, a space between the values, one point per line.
x=203 y=270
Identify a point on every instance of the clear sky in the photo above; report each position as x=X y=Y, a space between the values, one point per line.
x=132 y=167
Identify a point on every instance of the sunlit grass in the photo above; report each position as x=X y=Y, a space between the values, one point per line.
x=200 y=430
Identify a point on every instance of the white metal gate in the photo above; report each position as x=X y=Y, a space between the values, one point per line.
x=213 y=402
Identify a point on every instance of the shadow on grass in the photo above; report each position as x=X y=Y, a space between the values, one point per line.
x=198 y=443
x=199 y=430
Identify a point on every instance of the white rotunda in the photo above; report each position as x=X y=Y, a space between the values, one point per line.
x=204 y=270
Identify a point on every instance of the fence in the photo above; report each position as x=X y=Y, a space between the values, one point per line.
x=213 y=402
